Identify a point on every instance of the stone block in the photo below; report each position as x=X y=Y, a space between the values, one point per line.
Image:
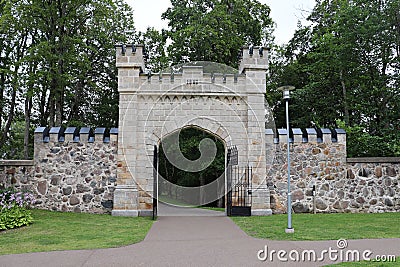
x=74 y=200
x=320 y=204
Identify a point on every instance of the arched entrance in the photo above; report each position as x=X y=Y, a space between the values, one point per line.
x=229 y=105
x=191 y=169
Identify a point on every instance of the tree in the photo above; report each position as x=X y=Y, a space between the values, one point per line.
x=349 y=63
x=56 y=63
x=155 y=44
x=14 y=39
x=215 y=30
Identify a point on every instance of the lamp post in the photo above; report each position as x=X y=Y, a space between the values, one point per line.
x=286 y=96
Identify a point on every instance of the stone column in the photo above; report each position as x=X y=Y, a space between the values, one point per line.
x=254 y=65
x=130 y=63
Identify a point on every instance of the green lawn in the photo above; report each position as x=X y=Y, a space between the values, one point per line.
x=70 y=231
x=213 y=208
x=322 y=226
x=368 y=264
x=175 y=202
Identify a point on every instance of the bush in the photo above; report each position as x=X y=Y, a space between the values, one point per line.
x=14 y=209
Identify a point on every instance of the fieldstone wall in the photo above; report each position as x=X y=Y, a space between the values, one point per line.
x=324 y=180
x=73 y=169
x=17 y=173
x=76 y=170
x=373 y=184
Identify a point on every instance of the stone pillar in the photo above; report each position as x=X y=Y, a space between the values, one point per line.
x=86 y=135
x=130 y=63
x=254 y=65
x=125 y=201
x=99 y=135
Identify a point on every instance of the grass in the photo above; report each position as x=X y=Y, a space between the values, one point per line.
x=367 y=264
x=70 y=231
x=322 y=226
x=212 y=208
x=176 y=202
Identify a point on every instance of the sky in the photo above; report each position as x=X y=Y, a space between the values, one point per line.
x=285 y=13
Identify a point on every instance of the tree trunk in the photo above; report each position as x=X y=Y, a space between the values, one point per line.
x=346 y=105
x=59 y=100
x=2 y=86
x=10 y=119
x=28 y=109
x=74 y=113
x=51 y=108
x=43 y=111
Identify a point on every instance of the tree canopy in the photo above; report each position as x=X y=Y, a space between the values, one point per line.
x=57 y=64
x=215 y=30
x=346 y=68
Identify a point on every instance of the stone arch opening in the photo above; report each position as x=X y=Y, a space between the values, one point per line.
x=203 y=183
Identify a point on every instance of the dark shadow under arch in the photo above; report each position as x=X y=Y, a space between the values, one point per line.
x=189 y=139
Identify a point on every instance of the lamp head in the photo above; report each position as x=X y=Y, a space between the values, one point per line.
x=286 y=91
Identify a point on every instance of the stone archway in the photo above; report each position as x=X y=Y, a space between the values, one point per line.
x=230 y=106
x=203 y=182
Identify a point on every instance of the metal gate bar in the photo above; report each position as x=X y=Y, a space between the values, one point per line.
x=239 y=196
x=155 y=186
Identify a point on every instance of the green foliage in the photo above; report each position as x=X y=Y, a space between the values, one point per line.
x=155 y=44
x=14 y=211
x=56 y=65
x=363 y=144
x=14 y=218
x=189 y=140
x=346 y=67
x=11 y=148
x=215 y=30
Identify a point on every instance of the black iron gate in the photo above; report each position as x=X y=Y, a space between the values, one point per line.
x=239 y=196
x=155 y=182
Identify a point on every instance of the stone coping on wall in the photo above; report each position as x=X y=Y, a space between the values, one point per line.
x=374 y=160
x=307 y=135
x=75 y=134
x=17 y=162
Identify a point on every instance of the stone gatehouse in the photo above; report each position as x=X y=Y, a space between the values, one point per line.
x=111 y=170
x=229 y=106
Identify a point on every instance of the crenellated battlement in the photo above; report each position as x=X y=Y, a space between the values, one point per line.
x=249 y=78
x=253 y=58
x=161 y=81
x=75 y=135
x=131 y=56
x=308 y=135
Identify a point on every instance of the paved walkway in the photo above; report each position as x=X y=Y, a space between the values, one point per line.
x=170 y=210
x=194 y=241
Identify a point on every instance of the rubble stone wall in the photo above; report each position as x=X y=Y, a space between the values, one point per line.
x=76 y=170
x=72 y=170
x=324 y=180
x=17 y=173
